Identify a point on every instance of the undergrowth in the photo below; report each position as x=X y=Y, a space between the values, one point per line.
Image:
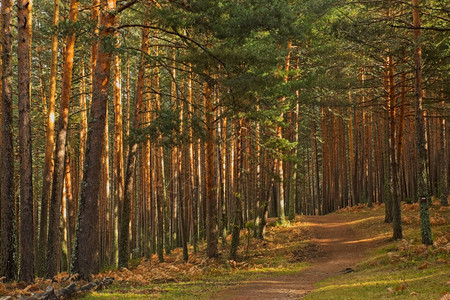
x=404 y=269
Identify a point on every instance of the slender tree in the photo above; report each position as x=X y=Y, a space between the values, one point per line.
x=8 y=228
x=211 y=199
x=238 y=192
x=49 y=147
x=53 y=244
x=118 y=142
x=26 y=162
x=124 y=230
x=422 y=176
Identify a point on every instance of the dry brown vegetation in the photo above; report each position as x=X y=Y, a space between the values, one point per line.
x=283 y=247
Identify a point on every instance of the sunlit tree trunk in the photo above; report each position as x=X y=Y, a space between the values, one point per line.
x=118 y=147
x=192 y=174
x=124 y=230
x=279 y=163
x=83 y=136
x=87 y=245
x=69 y=218
x=49 y=147
x=185 y=199
x=95 y=16
x=104 y=199
x=53 y=245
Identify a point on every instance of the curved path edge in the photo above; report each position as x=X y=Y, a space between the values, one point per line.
x=342 y=248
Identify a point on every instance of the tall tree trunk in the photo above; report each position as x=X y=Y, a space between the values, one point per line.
x=186 y=196
x=280 y=169
x=125 y=206
x=351 y=150
x=49 y=147
x=211 y=199
x=238 y=192
x=68 y=216
x=370 y=160
x=400 y=128
x=396 y=205
x=118 y=149
x=294 y=165
x=444 y=155
x=8 y=226
x=87 y=245
x=53 y=246
x=26 y=162
x=422 y=176
x=104 y=198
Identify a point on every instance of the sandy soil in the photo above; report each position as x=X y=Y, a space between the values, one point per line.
x=341 y=248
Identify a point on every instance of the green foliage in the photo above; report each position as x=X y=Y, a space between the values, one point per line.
x=165 y=125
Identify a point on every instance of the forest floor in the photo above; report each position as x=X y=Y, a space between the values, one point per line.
x=344 y=255
x=338 y=248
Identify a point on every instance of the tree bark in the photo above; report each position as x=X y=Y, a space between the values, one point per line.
x=238 y=191
x=211 y=199
x=422 y=176
x=118 y=149
x=396 y=204
x=53 y=244
x=87 y=244
x=26 y=173
x=49 y=148
x=8 y=226
x=124 y=231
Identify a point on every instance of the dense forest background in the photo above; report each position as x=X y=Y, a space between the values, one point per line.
x=134 y=127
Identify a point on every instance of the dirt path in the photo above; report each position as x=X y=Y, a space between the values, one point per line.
x=341 y=248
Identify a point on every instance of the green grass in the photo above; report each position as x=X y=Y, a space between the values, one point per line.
x=396 y=270
x=202 y=288
x=385 y=283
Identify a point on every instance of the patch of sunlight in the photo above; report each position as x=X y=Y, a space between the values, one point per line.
x=362 y=220
x=328 y=241
x=375 y=238
x=387 y=281
x=97 y=295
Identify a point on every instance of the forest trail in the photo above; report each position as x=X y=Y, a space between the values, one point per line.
x=341 y=247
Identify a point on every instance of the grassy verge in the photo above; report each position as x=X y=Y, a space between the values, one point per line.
x=201 y=288
x=399 y=270
x=200 y=278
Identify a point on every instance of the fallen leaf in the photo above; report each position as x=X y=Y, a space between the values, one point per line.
x=3 y=289
x=423 y=266
x=401 y=287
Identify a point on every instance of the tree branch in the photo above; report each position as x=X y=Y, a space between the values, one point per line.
x=127 y=5
x=182 y=36
x=423 y=28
